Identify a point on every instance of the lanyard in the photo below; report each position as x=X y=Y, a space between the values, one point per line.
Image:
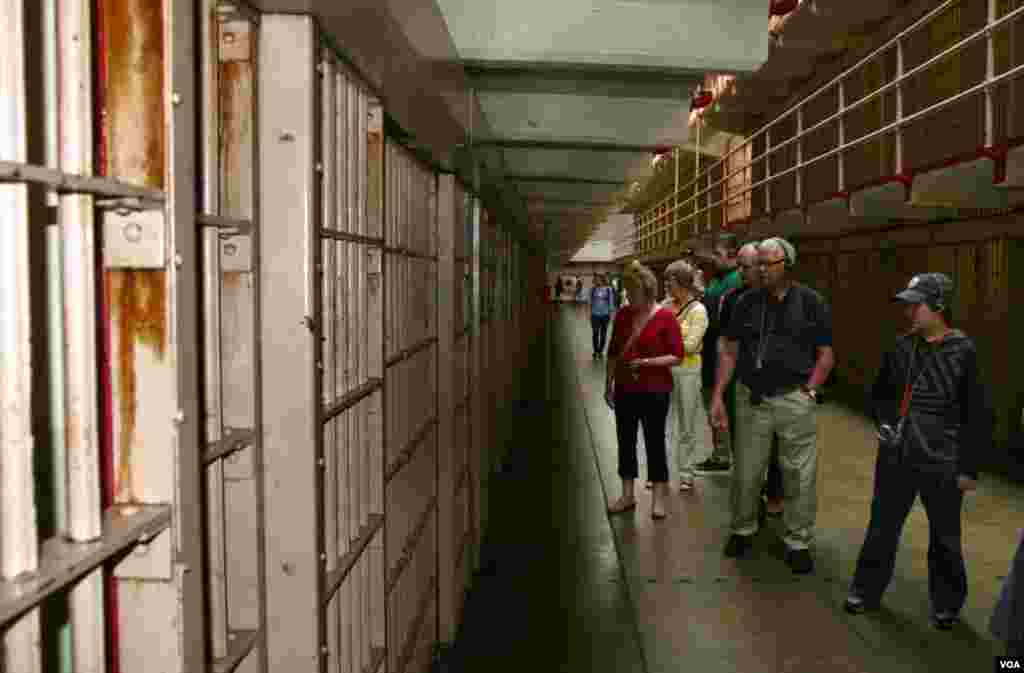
x=908 y=386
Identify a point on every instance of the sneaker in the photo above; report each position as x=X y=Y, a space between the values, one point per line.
x=945 y=620
x=800 y=561
x=737 y=545
x=713 y=465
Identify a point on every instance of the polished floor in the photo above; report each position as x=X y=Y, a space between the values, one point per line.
x=564 y=588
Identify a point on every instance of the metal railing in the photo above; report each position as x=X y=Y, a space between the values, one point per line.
x=662 y=217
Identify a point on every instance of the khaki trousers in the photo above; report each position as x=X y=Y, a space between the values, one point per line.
x=793 y=417
x=688 y=421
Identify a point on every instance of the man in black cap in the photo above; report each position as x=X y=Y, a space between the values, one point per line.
x=935 y=423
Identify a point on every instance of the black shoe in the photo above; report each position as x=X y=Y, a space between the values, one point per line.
x=800 y=561
x=855 y=605
x=737 y=545
x=945 y=621
x=713 y=465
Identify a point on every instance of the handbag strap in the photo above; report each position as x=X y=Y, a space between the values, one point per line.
x=640 y=328
x=686 y=309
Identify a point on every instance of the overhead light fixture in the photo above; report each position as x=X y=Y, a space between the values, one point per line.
x=701 y=99
x=782 y=7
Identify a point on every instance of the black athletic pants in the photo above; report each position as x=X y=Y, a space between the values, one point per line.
x=897 y=485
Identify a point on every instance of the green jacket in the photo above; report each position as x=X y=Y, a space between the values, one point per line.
x=718 y=286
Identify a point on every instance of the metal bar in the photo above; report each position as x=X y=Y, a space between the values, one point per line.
x=378 y=655
x=895 y=83
x=214 y=437
x=990 y=71
x=799 y=156
x=353 y=238
x=409 y=647
x=352 y=398
x=64 y=563
x=411 y=544
x=411 y=351
x=241 y=643
x=179 y=112
x=217 y=543
x=841 y=136
x=76 y=217
x=18 y=551
x=255 y=380
x=51 y=107
x=328 y=325
x=348 y=560
x=1013 y=72
x=412 y=254
x=233 y=440
x=209 y=32
x=405 y=456
x=71 y=183
x=899 y=107
x=232 y=225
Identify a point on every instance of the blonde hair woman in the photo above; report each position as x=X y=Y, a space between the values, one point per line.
x=646 y=343
x=686 y=412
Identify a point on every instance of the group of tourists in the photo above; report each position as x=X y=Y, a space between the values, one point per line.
x=749 y=354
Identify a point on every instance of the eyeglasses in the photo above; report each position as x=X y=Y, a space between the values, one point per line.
x=765 y=265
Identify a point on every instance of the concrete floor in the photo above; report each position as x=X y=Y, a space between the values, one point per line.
x=563 y=588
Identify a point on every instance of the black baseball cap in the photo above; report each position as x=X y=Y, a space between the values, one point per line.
x=927 y=288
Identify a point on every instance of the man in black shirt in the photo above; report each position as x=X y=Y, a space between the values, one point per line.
x=935 y=423
x=750 y=274
x=779 y=343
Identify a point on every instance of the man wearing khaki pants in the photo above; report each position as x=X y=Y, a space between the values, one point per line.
x=779 y=342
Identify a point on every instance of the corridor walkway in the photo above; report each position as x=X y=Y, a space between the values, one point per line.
x=565 y=589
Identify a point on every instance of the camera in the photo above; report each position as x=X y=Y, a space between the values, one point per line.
x=889 y=437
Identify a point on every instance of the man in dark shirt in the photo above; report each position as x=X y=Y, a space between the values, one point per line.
x=935 y=423
x=750 y=274
x=779 y=343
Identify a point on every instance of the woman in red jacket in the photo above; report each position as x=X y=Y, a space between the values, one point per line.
x=646 y=343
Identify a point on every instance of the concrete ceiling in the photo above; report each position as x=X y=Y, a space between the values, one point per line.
x=563 y=101
x=579 y=93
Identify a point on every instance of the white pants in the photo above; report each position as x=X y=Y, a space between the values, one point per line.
x=688 y=421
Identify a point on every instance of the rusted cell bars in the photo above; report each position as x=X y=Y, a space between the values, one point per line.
x=412 y=412
x=234 y=480
x=351 y=320
x=119 y=374
x=18 y=537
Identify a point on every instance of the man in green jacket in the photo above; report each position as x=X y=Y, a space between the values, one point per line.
x=726 y=279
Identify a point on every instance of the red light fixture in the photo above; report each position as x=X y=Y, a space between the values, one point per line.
x=701 y=99
x=782 y=7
